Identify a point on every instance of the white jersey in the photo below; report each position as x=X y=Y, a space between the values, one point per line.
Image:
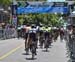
x=33 y=30
x=19 y=28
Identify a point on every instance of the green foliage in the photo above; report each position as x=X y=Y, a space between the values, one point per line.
x=5 y=2
x=45 y=19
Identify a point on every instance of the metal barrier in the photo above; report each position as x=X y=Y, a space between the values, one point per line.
x=8 y=33
x=71 y=48
x=1 y=33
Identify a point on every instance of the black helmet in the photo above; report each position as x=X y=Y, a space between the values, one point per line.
x=27 y=24
x=33 y=26
x=73 y=25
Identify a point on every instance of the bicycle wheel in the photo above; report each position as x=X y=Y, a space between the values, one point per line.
x=33 y=55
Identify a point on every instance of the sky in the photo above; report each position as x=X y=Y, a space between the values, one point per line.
x=55 y=0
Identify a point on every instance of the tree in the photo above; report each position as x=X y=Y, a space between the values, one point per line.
x=45 y=19
x=5 y=2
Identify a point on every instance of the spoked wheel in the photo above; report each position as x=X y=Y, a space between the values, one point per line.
x=61 y=37
x=46 y=49
x=27 y=51
x=33 y=51
x=46 y=46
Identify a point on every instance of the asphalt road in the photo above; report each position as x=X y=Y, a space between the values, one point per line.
x=12 y=50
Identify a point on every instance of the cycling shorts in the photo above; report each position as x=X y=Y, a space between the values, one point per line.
x=32 y=36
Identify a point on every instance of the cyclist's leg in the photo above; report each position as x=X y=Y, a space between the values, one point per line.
x=31 y=41
x=40 y=37
x=26 y=35
x=35 y=42
x=27 y=44
x=47 y=40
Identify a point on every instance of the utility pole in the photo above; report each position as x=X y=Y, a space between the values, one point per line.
x=14 y=13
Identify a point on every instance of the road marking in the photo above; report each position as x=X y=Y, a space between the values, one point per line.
x=10 y=52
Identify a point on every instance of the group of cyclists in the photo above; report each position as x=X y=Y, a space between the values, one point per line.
x=42 y=35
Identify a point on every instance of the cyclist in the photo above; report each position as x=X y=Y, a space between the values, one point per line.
x=55 y=34
x=33 y=39
x=61 y=34
x=27 y=28
x=50 y=35
x=41 y=40
x=46 y=34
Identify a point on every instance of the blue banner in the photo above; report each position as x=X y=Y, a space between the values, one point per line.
x=50 y=9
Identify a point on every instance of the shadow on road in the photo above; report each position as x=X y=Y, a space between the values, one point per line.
x=45 y=51
x=25 y=54
x=31 y=58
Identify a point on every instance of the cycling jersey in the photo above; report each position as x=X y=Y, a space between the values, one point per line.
x=49 y=29
x=46 y=33
x=32 y=33
x=19 y=28
x=27 y=29
x=42 y=28
x=33 y=30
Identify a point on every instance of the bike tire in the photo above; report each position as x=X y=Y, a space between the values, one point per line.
x=33 y=55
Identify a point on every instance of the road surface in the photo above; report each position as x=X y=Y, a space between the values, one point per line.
x=12 y=50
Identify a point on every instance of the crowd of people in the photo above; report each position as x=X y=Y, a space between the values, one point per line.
x=7 y=31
